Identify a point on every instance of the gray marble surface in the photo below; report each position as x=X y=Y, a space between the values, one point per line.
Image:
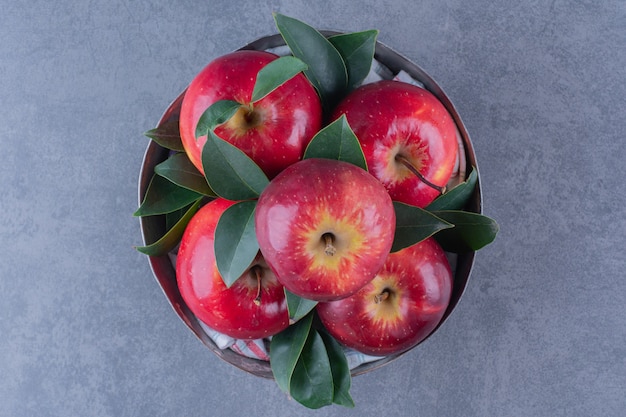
x=86 y=331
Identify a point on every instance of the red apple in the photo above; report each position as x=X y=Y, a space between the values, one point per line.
x=398 y=308
x=273 y=131
x=407 y=136
x=325 y=228
x=252 y=308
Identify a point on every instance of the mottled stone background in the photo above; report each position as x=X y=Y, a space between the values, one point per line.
x=86 y=331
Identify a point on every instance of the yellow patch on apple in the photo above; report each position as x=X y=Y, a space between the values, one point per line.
x=387 y=308
x=345 y=238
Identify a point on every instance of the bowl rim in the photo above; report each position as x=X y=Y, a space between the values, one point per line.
x=163 y=268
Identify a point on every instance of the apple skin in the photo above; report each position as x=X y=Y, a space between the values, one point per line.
x=277 y=130
x=316 y=198
x=419 y=282
x=395 y=118
x=233 y=310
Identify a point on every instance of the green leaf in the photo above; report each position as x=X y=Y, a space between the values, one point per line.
x=337 y=141
x=457 y=197
x=285 y=349
x=414 y=224
x=167 y=135
x=276 y=73
x=230 y=172
x=298 y=307
x=312 y=380
x=170 y=239
x=216 y=114
x=174 y=217
x=326 y=69
x=179 y=170
x=163 y=196
x=235 y=243
x=471 y=231
x=341 y=372
x=357 y=50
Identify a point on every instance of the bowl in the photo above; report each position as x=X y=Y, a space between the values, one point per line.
x=153 y=227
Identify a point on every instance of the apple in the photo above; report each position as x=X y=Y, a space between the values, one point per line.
x=325 y=227
x=273 y=131
x=399 y=308
x=407 y=135
x=253 y=307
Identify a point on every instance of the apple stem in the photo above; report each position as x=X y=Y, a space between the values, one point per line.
x=250 y=117
x=330 y=249
x=404 y=161
x=382 y=296
x=246 y=117
x=258 y=272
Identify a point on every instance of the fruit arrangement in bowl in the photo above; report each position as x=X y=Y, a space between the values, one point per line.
x=310 y=206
